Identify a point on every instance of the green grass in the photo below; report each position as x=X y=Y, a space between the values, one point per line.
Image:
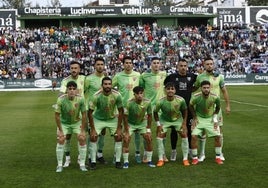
x=28 y=141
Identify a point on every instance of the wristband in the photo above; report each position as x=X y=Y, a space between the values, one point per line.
x=215 y=118
x=148 y=130
x=158 y=123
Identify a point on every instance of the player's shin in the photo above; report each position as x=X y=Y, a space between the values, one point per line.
x=93 y=151
x=60 y=153
x=185 y=148
x=118 y=151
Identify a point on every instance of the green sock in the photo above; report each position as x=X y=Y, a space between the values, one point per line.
x=100 y=142
x=218 y=151
x=118 y=151
x=160 y=147
x=185 y=148
x=194 y=152
x=60 y=153
x=93 y=151
x=125 y=157
x=137 y=140
x=202 y=145
x=149 y=156
x=83 y=154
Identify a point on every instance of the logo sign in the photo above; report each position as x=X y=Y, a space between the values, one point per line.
x=259 y=15
x=7 y=19
x=230 y=16
x=42 y=83
x=39 y=11
x=177 y=9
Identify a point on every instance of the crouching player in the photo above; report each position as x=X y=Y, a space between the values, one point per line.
x=68 y=119
x=134 y=115
x=205 y=107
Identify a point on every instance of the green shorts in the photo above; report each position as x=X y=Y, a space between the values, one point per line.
x=140 y=128
x=71 y=128
x=111 y=124
x=206 y=124
x=167 y=124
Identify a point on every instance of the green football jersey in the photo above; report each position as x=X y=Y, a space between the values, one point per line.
x=125 y=84
x=153 y=85
x=204 y=107
x=80 y=81
x=170 y=111
x=136 y=112
x=92 y=85
x=105 y=106
x=216 y=82
x=70 y=109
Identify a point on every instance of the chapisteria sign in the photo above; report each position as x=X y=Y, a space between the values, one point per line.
x=126 y=10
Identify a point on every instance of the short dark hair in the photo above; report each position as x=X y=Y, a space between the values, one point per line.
x=127 y=57
x=208 y=59
x=75 y=62
x=205 y=82
x=71 y=84
x=155 y=58
x=98 y=59
x=169 y=84
x=138 y=89
x=183 y=60
x=105 y=78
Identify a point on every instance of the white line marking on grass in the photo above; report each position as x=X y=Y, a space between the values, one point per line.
x=251 y=104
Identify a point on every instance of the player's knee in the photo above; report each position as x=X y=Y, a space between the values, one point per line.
x=61 y=140
x=118 y=138
x=81 y=138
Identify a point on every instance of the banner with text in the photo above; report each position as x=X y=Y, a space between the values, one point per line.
x=7 y=19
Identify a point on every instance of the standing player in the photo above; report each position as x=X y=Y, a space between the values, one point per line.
x=104 y=105
x=217 y=85
x=125 y=81
x=80 y=80
x=67 y=115
x=134 y=114
x=184 y=82
x=92 y=85
x=173 y=113
x=204 y=108
x=153 y=84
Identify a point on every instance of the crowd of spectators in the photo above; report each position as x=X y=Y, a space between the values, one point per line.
x=237 y=49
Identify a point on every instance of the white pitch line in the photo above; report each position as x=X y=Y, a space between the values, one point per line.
x=251 y=104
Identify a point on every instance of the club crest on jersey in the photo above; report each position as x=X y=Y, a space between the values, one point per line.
x=134 y=79
x=188 y=78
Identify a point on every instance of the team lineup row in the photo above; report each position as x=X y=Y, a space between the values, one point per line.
x=139 y=102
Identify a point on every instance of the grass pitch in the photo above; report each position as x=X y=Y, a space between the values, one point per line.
x=28 y=141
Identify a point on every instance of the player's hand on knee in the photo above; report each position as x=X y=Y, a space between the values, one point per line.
x=60 y=137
